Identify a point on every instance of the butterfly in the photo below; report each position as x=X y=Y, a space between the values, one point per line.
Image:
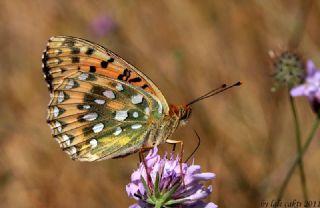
x=102 y=107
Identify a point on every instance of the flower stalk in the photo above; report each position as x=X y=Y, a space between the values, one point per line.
x=299 y=148
x=298 y=157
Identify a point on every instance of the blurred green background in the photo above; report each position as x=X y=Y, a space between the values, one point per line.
x=186 y=47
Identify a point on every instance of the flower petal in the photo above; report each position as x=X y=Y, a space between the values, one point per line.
x=297 y=91
x=152 y=158
x=200 y=194
x=131 y=190
x=204 y=176
x=135 y=176
x=140 y=205
x=211 y=205
x=201 y=204
x=194 y=169
x=135 y=206
x=311 y=68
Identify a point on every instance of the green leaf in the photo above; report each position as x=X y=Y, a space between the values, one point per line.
x=175 y=201
x=146 y=187
x=166 y=196
x=156 y=186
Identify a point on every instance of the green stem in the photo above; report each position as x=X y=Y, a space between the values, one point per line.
x=158 y=205
x=298 y=158
x=299 y=148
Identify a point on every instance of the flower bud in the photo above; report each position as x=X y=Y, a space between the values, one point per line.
x=288 y=69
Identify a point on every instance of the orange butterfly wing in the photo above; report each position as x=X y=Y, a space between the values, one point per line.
x=66 y=55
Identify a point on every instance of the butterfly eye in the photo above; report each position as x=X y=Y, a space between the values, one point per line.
x=186 y=114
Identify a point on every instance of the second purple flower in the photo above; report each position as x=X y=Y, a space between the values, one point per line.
x=311 y=86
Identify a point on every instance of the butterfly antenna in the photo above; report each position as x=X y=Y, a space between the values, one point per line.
x=195 y=149
x=213 y=92
x=208 y=93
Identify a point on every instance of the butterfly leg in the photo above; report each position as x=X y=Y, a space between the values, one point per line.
x=174 y=143
x=142 y=159
x=174 y=147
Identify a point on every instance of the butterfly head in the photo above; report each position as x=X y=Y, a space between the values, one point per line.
x=185 y=113
x=181 y=112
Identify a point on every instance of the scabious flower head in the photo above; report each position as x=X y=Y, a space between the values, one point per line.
x=311 y=86
x=288 y=69
x=165 y=187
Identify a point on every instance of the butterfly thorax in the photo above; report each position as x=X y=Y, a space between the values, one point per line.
x=177 y=115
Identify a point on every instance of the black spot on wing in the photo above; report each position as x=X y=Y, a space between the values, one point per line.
x=97 y=90
x=83 y=106
x=136 y=79
x=75 y=85
x=92 y=69
x=104 y=64
x=69 y=42
x=87 y=131
x=91 y=77
x=59 y=51
x=65 y=96
x=125 y=75
x=81 y=119
x=90 y=51
x=48 y=77
x=59 y=60
x=75 y=59
x=75 y=50
x=60 y=111
x=62 y=125
x=144 y=86
x=70 y=137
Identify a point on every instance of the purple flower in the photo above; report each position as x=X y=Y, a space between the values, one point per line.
x=310 y=87
x=165 y=187
x=102 y=25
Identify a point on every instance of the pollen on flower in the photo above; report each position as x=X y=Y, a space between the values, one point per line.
x=163 y=187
